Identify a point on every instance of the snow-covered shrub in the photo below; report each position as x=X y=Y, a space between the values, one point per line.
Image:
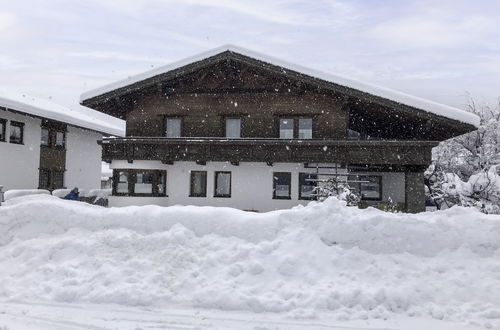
x=333 y=187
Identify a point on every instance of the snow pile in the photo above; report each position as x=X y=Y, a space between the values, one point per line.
x=13 y=193
x=355 y=264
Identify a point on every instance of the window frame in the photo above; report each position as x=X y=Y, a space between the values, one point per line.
x=47 y=172
x=296 y=125
x=21 y=126
x=132 y=180
x=216 y=186
x=48 y=137
x=362 y=177
x=3 y=130
x=191 y=176
x=293 y=127
x=289 y=174
x=311 y=198
x=181 y=126
x=54 y=144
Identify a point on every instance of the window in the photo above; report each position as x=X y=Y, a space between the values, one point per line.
x=173 y=127
x=286 y=128
x=307 y=185
x=16 y=132
x=58 y=179
x=60 y=139
x=305 y=128
x=281 y=185
x=44 y=179
x=143 y=183
x=122 y=183
x=233 y=127
x=369 y=187
x=198 y=184
x=222 y=184
x=139 y=183
x=45 y=141
x=3 y=126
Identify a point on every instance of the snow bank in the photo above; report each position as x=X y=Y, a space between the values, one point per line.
x=13 y=193
x=356 y=264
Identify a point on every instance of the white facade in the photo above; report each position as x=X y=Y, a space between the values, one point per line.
x=251 y=184
x=83 y=159
x=19 y=162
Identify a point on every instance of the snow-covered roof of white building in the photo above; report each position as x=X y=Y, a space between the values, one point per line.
x=399 y=97
x=77 y=115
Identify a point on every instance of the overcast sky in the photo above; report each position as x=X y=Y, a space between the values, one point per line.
x=438 y=50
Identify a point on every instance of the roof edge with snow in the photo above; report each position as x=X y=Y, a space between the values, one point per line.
x=371 y=89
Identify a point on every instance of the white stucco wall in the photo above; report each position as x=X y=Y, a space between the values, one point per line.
x=251 y=186
x=19 y=162
x=83 y=159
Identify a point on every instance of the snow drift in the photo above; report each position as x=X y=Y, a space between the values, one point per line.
x=323 y=257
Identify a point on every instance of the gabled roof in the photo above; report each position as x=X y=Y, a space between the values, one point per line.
x=77 y=115
x=374 y=90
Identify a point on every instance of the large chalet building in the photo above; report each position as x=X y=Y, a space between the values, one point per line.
x=235 y=128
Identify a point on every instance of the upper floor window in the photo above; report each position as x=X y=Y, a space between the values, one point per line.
x=45 y=140
x=286 y=128
x=60 y=140
x=16 y=132
x=281 y=185
x=3 y=126
x=233 y=127
x=222 y=184
x=173 y=127
x=299 y=128
x=305 y=128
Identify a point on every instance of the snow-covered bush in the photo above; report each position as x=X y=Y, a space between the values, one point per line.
x=340 y=189
x=465 y=169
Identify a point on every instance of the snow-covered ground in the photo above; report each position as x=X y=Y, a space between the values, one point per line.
x=66 y=265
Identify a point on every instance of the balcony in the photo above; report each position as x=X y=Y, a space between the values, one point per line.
x=169 y=150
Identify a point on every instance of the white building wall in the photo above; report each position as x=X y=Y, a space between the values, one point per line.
x=83 y=159
x=251 y=184
x=19 y=162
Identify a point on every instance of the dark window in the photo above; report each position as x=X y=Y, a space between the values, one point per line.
x=222 y=184
x=44 y=179
x=60 y=140
x=45 y=141
x=173 y=127
x=307 y=185
x=139 y=182
x=3 y=125
x=369 y=187
x=286 y=128
x=233 y=127
x=58 y=179
x=16 y=132
x=305 y=128
x=198 y=184
x=144 y=183
x=281 y=185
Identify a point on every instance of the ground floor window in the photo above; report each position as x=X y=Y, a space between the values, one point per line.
x=3 y=126
x=50 y=179
x=198 y=184
x=307 y=186
x=281 y=185
x=16 y=132
x=222 y=184
x=127 y=182
x=368 y=187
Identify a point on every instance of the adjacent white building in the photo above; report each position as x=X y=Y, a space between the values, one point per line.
x=44 y=145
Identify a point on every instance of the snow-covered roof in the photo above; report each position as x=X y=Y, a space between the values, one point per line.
x=76 y=115
x=386 y=93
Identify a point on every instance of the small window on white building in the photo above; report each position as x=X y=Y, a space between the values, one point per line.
x=307 y=185
x=222 y=184
x=173 y=127
x=281 y=185
x=233 y=127
x=286 y=128
x=305 y=128
x=122 y=183
x=16 y=132
x=198 y=186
